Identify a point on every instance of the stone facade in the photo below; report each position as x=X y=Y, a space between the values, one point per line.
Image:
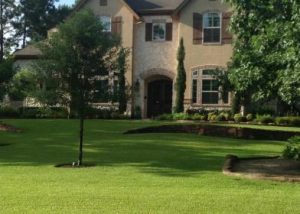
x=156 y=60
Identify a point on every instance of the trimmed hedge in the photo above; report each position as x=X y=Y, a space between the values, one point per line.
x=219 y=131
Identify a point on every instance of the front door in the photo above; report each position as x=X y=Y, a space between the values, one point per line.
x=159 y=98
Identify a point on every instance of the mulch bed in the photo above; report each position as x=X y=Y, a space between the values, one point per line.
x=75 y=166
x=8 y=128
x=219 y=131
x=265 y=168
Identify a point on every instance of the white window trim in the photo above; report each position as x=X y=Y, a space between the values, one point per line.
x=203 y=24
x=200 y=77
x=110 y=19
x=165 y=30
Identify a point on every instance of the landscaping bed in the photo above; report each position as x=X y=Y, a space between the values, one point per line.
x=269 y=168
x=219 y=131
x=9 y=128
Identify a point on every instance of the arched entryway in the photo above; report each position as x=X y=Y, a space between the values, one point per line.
x=159 y=99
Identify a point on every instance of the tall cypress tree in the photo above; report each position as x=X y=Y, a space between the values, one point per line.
x=181 y=79
x=122 y=66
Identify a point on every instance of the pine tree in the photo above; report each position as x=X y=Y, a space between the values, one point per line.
x=181 y=79
x=35 y=18
x=7 y=13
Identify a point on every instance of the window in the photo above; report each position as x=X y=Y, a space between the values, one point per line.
x=106 y=22
x=103 y=2
x=212 y=28
x=206 y=90
x=194 y=91
x=210 y=92
x=159 y=31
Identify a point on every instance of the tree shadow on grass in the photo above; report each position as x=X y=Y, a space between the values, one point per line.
x=162 y=154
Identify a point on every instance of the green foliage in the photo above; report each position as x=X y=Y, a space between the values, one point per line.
x=121 y=90
x=292 y=149
x=265 y=119
x=43 y=113
x=250 y=117
x=74 y=58
x=35 y=18
x=165 y=117
x=22 y=85
x=181 y=79
x=8 y=112
x=6 y=74
x=265 y=64
x=288 y=121
x=238 y=118
x=7 y=39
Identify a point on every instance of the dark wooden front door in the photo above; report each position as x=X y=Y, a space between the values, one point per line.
x=159 y=98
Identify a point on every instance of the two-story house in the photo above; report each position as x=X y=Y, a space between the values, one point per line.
x=151 y=29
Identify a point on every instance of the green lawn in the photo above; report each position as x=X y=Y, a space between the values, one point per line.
x=147 y=173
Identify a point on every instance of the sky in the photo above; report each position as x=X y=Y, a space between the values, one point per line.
x=67 y=2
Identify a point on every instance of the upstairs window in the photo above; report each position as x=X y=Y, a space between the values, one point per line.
x=159 y=31
x=212 y=28
x=103 y=2
x=106 y=23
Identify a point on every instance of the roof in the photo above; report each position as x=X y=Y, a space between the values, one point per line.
x=29 y=52
x=147 y=7
x=144 y=7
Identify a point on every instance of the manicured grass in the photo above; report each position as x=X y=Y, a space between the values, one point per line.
x=146 y=173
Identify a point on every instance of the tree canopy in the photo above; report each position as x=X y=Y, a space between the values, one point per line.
x=265 y=64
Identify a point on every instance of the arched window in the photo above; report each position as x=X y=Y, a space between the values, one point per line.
x=212 y=27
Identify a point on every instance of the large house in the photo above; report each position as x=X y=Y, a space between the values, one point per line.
x=151 y=29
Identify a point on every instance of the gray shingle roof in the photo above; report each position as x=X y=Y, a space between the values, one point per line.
x=154 y=6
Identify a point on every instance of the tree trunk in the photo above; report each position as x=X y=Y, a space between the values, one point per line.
x=1 y=32
x=81 y=132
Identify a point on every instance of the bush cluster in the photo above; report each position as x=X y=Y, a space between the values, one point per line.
x=292 y=149
x=58 y=113
x=220 y=116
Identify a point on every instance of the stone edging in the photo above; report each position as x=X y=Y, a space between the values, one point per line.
x=232 y=160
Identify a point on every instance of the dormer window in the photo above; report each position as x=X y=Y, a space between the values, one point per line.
x=212 y=27
x=159 y=31
x=106 y=23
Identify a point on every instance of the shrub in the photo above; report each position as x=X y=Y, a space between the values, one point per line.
x=8 y=112
x=288 y=121
x=220 y=117
x=238 y=118
x=249 y=117
x=198 y=117
x=226 y=115
x=292 y=149
x=180 y=116
x=42 y=113
x=212 y=116
x=165 y=117
x=282 y=121
x=265 y=119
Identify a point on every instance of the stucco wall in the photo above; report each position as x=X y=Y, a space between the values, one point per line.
x=113 y=9
x=153 y=58
x=201 y=55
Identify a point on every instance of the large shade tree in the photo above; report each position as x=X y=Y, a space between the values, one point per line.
x=73 y=60
x=265 y=64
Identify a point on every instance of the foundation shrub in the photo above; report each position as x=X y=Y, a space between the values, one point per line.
x=238 y=118
x=292 y=149
x=265 y=119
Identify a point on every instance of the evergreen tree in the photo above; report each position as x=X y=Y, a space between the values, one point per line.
x=122 y=67
x=7 y=13
x=6 y=74
x=181 y=79
x=35 y=18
